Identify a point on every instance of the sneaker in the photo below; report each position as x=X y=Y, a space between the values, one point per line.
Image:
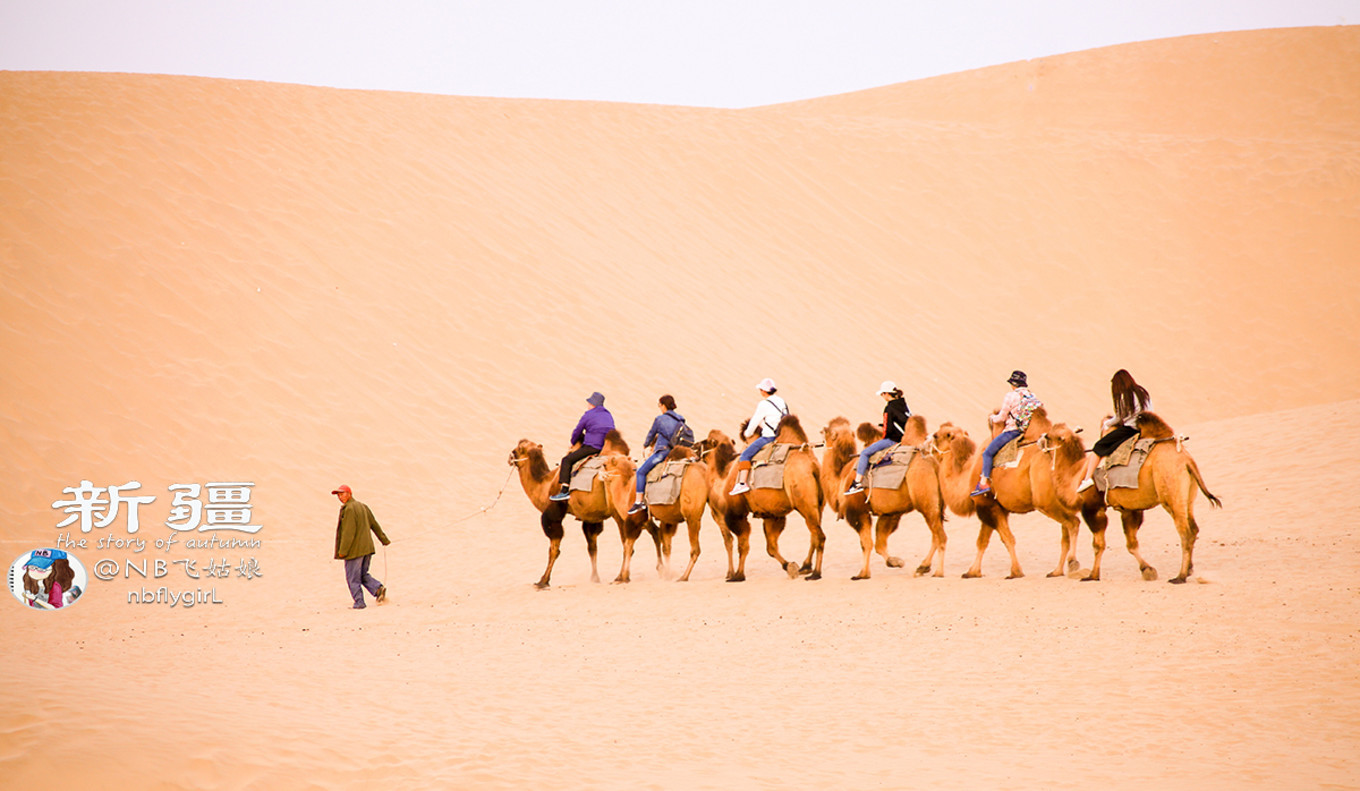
x=740 y=488
x=565 y=494
x=855 y=488
x=637 y=508
x=981 y=491
x=1086 y=483
x=359 y=607
x=381 y=595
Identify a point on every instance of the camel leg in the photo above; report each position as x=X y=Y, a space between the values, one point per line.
x=593 y=531
x=1185 y=525
x=984 y=538
x=773 y=528
x=1003 y=529
x=993 y=518
x=818 y=544
x=658 y=533
x=743 y=549
x=1093 y=511
x=886 y=526
x=863 y=525
x=1067 y=560
x=694 y=525
x=938 y=539
x=727 y=544
x=663 y=557
x=552 y=528
x=1132 y=521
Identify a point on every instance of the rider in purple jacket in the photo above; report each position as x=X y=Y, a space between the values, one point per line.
x=586 y=440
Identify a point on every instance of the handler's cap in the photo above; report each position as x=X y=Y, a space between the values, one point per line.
x=596 y=399
x=44 y=558
x=887 y=387
x=1018 y=379
x=766 y=385
x=342 y=488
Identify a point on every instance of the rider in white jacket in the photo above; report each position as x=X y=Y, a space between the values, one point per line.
x=763 y=426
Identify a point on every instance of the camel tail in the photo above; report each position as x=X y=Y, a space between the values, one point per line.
x=1199 y=480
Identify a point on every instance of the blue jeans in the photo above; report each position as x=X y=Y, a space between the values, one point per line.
x=862 y=465
x=647 y=466
x=993 y=447
x=358 y=578
x=754 y=448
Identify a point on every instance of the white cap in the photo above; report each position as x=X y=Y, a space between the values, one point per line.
x=766 y=385
x=886 y=387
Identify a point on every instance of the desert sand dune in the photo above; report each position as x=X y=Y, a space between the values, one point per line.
x=209 y=280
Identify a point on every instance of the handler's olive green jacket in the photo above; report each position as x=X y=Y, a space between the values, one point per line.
x=352 y=539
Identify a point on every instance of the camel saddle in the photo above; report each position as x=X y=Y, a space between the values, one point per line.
x=767 y=467
x=663 y=481
x=1009 y=454
x=1120 y=468
x=888 y=467
x=583 y=474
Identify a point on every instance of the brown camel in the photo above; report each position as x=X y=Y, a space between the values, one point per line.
x=919 y=491
x=688 y=507
x=1046 y=481
x=1169 y=478
x=718 y=453
x=802 y=492
x=608 y=499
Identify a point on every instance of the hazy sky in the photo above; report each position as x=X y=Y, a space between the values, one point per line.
x=719 y=53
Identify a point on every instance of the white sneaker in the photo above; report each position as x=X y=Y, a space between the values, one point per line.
x=1086 y=483
x=740 y=488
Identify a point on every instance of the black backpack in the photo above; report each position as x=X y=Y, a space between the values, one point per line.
x=683 y=436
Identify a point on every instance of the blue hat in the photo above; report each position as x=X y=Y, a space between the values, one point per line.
x=43 y=558
x=596 y=399
x=1017 y=379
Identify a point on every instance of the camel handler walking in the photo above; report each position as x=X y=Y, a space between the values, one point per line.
x=354 y=545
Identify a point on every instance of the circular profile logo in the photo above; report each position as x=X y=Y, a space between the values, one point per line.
x=47 y=579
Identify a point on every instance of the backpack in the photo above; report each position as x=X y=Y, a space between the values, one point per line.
x=683 y=436
x=1029 y=402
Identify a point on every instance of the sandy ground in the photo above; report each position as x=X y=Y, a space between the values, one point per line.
x=298 y=287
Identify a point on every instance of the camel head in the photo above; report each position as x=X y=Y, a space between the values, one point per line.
x=530 y=453
x=951 y=439
x=719 y=448
x=838 y=436
x=836 y=425
x=1065 y=444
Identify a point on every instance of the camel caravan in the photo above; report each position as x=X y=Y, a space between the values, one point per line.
x=869 y=477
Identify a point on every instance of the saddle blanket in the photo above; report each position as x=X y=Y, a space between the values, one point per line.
x=768 y=472
x=888 y=468
x=663 y=482
x=1120 y=469
x=583 y=474
x=1009 y=455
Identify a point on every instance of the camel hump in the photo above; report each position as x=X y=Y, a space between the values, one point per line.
x=614 y=442
x=915 y=432
x=1151 y=426
x=793 y=426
